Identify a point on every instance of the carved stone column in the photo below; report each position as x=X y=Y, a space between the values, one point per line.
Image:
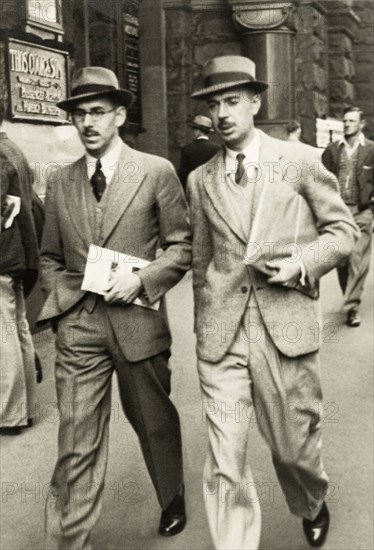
x=342 y=29
x=267 y=32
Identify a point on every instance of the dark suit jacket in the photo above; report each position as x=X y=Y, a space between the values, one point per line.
x=17 y=178
x=222 y=281
x=145 y=209
x=365 y=169
x=195 y=154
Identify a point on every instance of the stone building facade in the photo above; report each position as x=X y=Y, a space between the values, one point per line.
x=316 y=55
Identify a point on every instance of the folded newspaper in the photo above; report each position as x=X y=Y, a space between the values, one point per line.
x=11 y=207
x=101 y=261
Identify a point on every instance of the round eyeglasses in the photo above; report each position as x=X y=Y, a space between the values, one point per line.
x=96 y=114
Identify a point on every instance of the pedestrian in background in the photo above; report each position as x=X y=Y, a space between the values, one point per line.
x=246 y=359
x=293 y=129
x=200 y=150
x=18 y=274
x=351 y=159
x=131 y=203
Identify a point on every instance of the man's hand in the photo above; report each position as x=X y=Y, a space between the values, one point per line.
x=122 y=287
x=286 y=273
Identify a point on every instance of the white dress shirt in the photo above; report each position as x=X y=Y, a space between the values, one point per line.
x=251 y=160
x=109 y=162
x=350 y=149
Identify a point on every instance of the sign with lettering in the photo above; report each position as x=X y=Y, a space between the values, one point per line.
x=132 y=65
x=38 y=80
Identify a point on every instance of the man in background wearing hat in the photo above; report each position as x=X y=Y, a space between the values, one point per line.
x=257 y=345
x=131 y=203
x=200 y=150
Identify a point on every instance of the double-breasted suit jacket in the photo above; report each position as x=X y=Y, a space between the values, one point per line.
x=222 y=282
x=143 y=209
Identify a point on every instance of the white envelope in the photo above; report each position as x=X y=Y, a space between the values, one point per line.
x=101 y=261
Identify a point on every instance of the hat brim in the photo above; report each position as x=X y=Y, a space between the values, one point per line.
x=257 y=85
x=123 y=97
x=200 y=127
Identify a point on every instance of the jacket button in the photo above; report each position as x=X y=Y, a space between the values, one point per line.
x=244 y=289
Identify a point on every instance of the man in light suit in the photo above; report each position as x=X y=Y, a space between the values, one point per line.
x=200 y=150
x=351 y=159
x=257 y=342
x=133 y=203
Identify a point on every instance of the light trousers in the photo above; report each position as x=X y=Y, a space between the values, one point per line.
x=17 y=363
x=285 y=396
x=352 y=274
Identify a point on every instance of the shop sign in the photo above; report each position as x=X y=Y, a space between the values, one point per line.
x=38 y=80
x=132 y=64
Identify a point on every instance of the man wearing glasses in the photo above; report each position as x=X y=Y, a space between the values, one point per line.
x=133 y=203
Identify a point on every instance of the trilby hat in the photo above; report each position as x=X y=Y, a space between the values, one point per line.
x=202 y=122
x=229 y=71
x=94 y=82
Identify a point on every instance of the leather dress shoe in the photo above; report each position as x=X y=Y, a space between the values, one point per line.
x=173 y=518
x=316 y=530
x=353 y=318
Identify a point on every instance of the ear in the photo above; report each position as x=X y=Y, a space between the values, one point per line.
x=256 y=103
x=121 y=115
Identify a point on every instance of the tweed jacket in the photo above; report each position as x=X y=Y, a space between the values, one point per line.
x=145 y=209
x=365 y=169
x=222 y=282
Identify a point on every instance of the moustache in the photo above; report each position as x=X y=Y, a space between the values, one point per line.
x=89 y=133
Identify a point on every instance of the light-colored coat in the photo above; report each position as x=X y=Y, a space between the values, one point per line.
x=144 y=209
x=222 y=281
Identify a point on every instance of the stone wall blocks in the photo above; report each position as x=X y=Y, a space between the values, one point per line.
x=178 y=23
x=320 y=104
x=205 y=52
x=317 y=48
x=341 y=91
x=364 y=92
x=340 y=67
x=339 y=42
x=219 y=27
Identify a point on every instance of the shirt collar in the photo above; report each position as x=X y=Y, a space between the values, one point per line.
x=109 y=162
x=251 y=152
x=202 y=137
x=360 y=141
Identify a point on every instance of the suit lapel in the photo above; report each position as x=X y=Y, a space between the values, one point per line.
x=75 y=196
x=214 y=177
x=215 y=180
x=128 y=177
x=270 y=166
x=361 y=155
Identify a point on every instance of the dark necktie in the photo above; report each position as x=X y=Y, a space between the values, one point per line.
x=98 y=181
x=240 y=170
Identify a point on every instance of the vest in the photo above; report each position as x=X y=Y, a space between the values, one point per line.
x=348 y=183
